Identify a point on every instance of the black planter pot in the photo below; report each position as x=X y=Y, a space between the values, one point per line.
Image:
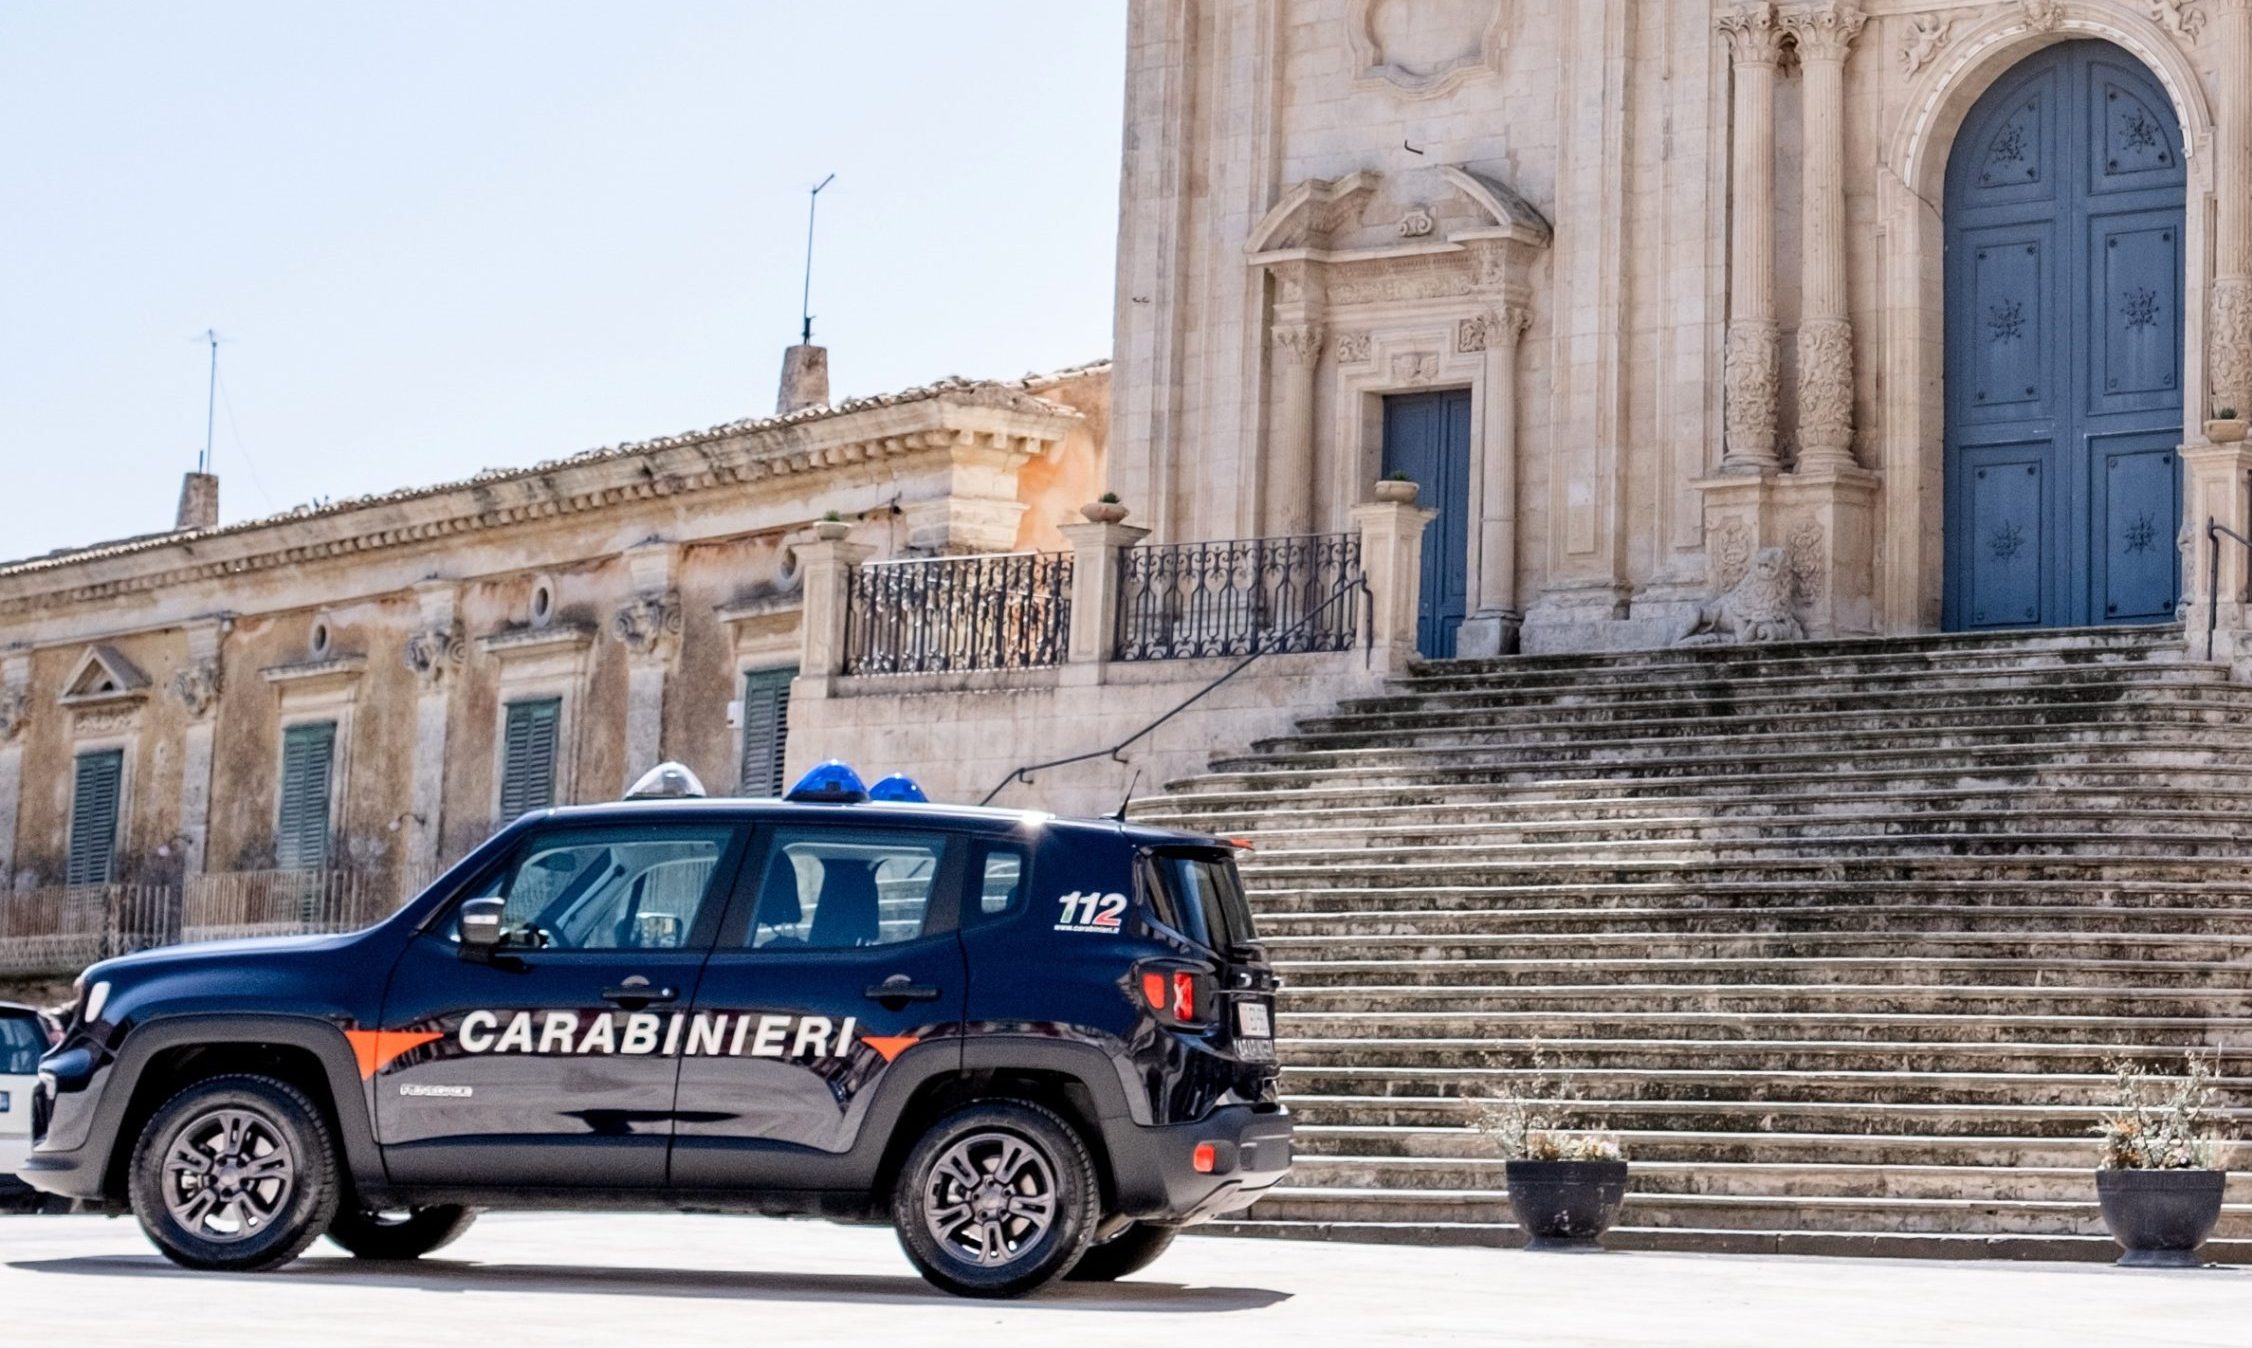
x=2160 y=1216
x=1565 y=1205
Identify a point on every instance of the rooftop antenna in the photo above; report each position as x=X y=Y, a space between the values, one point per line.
x=805 y=306
x=210 y=396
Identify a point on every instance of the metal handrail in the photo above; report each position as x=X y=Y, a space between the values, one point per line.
x=2213 y=531
x=1356 y=585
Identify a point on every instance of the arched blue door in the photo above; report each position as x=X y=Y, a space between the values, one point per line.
x=2064 y=347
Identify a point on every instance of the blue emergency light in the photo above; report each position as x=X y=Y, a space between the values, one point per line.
x=832 y=783
x=899 y=787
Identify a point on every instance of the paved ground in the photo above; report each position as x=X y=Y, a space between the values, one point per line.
x=666 y=1282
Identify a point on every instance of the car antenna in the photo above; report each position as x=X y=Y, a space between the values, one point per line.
x=1128 y=798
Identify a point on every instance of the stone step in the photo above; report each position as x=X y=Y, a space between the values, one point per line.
x=1605 y=901
x=1443 y=965
x=1310 y=1053
x=1432 y=1106
x=2082 y=646
x=2157 y=954
x=1367 y=874
x=1757 y=1180
x=1693 y=1087
x=1957 y=1216
x=1647 y=1145
x=1756 y=918
x=2047 y=997
x=1406 y=835
x=2156 y=1037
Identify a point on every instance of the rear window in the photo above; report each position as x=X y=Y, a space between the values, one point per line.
x=1200 y=895
x=22 y=1041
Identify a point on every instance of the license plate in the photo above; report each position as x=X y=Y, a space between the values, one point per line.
x=1251 y=1020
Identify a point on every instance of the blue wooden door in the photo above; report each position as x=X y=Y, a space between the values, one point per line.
x=1427 y=437
x=2064 y=347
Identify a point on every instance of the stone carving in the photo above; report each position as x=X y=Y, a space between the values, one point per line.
x=2186 y=17
x=1754 y=38
x=2231 y=342
x=114 y=718
x=432 y=651
x=15 y=712
x=1299 y=341
x=1825 y=387
x=1417 y=223
x=1388 y=287
x=197 y=687
x=1750 y=395
x=1927 y=34
x=1415 y=367
x=1758 y=608
x=1824 y=31
x=1807 y=571
x=648 y=625
x=1470 y=333
x=1731 y=553
x=2043 y=15
x=1422 y=48
x=1352 y=347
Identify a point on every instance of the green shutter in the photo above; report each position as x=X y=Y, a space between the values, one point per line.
x=527 y=769
x=766 y=729
x=93 y=817
x=301 y=837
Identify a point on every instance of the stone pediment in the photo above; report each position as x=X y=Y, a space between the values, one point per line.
x=103 y=675
x=1366 y=216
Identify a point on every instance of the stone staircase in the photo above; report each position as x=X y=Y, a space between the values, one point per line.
x=1840 y=936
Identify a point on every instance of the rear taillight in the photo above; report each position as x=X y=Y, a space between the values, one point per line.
x=1178 y=996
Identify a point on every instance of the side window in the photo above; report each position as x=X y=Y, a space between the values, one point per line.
x=841 y=889
x=608 y=889
x=1001 y=880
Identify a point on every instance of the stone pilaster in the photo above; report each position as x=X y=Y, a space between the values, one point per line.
x=197 y=686
x=2229 y=335
x=1825 y=33
x=648 y=626
x=15 y=716
x=1495 y=613
x=1751 y=375
x=1392 y=559
x=1095 y=566
x=1290 y=461
x=434 y=654
x=825 y=566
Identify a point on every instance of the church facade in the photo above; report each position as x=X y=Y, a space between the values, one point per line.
x=1937 y=298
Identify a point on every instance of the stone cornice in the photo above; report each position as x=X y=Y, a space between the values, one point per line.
x=536 y=640
x=335 y=669
x=948 y=418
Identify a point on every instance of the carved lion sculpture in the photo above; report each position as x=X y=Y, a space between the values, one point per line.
x=1757 y=608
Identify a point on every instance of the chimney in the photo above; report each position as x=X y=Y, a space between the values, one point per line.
x=805 y=378
x=199 y=502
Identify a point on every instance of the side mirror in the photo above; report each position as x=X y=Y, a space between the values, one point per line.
x=479 y=922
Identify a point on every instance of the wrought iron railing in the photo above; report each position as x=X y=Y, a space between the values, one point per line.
x=2215 y=531
x=941 y=614
x=1183 y=601
x=62 y=929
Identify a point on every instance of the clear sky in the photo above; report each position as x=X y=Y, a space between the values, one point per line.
x=441 y=236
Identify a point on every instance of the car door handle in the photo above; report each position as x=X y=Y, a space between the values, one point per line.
x=900 y=990
x=627 y=994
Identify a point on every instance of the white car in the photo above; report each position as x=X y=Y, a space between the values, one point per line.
x=24 y=1036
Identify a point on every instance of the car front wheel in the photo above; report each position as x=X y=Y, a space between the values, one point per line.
x=235 y=1174
x=399 y=1235
x=996 y=1200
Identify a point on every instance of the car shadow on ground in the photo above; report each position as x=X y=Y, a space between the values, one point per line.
x=455 y=1275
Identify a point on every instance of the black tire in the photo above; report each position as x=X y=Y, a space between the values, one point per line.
x=270 y=1175
x=399 y=1235
x=934 y=1207
x=1130 y=1251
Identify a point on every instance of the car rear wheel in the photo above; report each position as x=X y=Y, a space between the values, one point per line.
x=996 y=1200
x=235 y=1174
x=408 y=1234
x=1130 y=1251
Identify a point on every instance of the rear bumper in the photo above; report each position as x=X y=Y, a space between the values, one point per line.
x=1155 y=1173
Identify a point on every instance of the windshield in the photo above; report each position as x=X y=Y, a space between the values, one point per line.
x=22 y=1041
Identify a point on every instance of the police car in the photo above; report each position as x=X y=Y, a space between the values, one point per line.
x=1037 y=1046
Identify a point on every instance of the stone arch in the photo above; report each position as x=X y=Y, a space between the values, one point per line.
x=1910 y=337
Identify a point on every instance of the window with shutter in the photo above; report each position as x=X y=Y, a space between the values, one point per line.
x=527 y=770
x=302 y=833
x=766 y=729
x=93 y=817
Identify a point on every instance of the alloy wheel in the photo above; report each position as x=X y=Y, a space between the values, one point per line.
x=990 y=1198
x=228 y=1175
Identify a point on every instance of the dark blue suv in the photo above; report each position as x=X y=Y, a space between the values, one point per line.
x=1037 y=1046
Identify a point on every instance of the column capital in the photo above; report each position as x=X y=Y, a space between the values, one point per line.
x=1301 y=342
x=1824 y=30
x=1753 y=37
x=649 y=626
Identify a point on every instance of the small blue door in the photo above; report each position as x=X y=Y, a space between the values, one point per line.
x=1427 y=437
x=2064 y=347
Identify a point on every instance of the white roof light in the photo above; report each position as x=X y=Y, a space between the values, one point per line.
x=667 y=781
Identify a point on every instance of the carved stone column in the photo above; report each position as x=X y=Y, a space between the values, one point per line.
x=1754 y=42
x=434 y=653
x=1495 y=615
x=15 y=715
x=1297 y=338
x=2230 y=335
x=1825 y=32
x=197 y=686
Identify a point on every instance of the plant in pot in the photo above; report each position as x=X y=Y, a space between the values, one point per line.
x=2226 y=427
x=1396 y=489
x=2160 y=1179
x=831 y=527
x=1565 y=1185
x=1104 y=509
